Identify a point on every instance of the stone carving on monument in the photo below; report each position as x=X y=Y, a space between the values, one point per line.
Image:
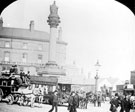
x=53 y=19
x=53 y=9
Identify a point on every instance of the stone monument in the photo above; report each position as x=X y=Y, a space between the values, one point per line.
x=51 y=68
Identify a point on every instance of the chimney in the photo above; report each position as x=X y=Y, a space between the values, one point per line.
x=31 y=25
x=1 y=22
x=60 y=33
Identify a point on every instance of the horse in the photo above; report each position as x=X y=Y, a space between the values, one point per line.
x=83 y=101
x=27 y=96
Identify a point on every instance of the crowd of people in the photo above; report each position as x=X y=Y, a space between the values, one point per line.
x=124 y=102
x=97 y=99
x=77 y=100
x=73 y=102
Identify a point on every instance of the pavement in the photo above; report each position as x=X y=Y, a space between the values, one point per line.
x=4 y=107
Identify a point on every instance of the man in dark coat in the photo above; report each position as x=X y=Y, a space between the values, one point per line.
x=122 y=103
x=54 y=102
x=13 y=70
x=127 y=104
x=95 y=100
x=22 y=76
x=75 y=101
x=99 y=99
x=71 y=103
x=76 y=98
x=114 y=103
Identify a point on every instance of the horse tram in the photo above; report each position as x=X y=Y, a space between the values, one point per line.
x=14 y=88
x=43 y=89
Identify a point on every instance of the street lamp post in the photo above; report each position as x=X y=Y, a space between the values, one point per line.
x=97 y=65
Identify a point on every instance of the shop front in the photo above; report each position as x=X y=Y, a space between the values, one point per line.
x=49 y=83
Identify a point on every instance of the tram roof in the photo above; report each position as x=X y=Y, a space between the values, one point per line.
x=44 y=80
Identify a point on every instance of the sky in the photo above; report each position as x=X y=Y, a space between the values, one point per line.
x=94 y=30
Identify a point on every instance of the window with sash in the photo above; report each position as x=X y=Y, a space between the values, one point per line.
x=40 y=57
x=7 y=44
x=6 y=56
x=24 y=57
x=25 y=45
x=40 y=47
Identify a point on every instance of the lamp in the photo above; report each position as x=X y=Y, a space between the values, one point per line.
x=97 y=65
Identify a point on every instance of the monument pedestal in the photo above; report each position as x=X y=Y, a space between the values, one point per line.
x=51 y=69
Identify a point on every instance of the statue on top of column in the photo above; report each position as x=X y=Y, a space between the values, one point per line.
x=53 y=9
x=53 y=19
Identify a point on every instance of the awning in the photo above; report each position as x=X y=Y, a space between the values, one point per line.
x=49 y=80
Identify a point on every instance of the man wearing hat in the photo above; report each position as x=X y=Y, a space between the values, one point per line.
x=54 y=101
x=71 y=102
x=114 y=103
x=76 y=97
x=13 y=70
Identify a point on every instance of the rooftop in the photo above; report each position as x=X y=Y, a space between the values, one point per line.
x=25 y=34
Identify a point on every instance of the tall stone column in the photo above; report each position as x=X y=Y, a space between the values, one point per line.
x=52 y=45
x=53 y=21
x=51 y=68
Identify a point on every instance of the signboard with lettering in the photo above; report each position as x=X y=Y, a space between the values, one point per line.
x=130 y=86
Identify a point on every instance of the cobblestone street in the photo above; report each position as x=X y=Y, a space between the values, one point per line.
x=45 y=108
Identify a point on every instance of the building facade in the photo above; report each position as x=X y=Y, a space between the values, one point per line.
x=27 y=48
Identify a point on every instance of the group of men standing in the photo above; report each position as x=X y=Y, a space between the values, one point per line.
x=97 y=99
x=73 y=102
x=125 y=103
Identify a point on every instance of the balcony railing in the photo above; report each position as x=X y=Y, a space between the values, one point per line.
x=39 y=65
x=22 y=63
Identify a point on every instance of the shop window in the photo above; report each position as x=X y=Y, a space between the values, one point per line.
x=40 y=58
x=24 y=57
x=40 y=47
x=7 y=44
x=25 y=45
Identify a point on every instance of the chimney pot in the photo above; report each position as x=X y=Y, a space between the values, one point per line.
x=31 y=25
x=1 y=22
